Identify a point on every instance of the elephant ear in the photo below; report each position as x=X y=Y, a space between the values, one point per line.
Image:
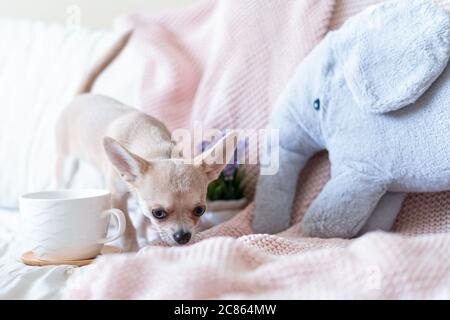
x=392 y=53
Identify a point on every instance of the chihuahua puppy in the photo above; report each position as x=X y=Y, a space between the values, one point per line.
x=134 y=151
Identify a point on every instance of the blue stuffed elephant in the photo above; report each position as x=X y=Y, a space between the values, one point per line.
x=376 y=95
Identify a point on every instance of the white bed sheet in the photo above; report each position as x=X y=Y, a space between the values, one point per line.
x=19 y=281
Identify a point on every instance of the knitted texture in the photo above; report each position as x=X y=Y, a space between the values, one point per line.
x=225 y=62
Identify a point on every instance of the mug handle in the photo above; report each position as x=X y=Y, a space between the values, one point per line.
x=120 y=223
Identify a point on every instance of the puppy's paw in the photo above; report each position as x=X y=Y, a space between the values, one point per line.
x=129 y=245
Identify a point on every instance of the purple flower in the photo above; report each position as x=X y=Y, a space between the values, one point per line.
x=204 y=145
x=228 y=171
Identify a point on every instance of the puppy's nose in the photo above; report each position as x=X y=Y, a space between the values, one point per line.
x=182 y=237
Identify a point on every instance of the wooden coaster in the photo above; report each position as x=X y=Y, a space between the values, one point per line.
x=30 y=259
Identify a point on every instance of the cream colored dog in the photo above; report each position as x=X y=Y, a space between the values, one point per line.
x=135 y=153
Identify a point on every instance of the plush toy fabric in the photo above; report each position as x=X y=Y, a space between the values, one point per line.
x=376 y=95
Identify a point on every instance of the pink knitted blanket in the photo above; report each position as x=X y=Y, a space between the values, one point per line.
x=223 y=63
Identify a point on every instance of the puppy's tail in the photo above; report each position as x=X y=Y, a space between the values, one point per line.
x=104 y=62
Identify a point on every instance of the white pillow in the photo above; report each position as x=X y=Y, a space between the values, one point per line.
x=41 y=66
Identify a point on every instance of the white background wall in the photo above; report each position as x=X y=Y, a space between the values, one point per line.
x=93 y=13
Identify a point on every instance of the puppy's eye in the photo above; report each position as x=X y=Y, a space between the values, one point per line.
x=159 y=213
x=316 y=104
x=198 y=211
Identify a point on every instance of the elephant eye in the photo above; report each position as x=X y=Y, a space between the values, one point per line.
x=316 y=105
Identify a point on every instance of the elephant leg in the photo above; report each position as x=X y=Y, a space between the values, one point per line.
x=275 y=194
x=344 y=205
x=384 y=215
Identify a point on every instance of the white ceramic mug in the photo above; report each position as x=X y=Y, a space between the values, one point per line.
x=69 y=224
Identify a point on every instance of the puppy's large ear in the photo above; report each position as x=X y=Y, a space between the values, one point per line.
x=391 y=53
x=128 y=165
x=213 y=160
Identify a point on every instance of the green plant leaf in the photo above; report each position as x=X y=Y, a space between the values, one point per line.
x=221 y=189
